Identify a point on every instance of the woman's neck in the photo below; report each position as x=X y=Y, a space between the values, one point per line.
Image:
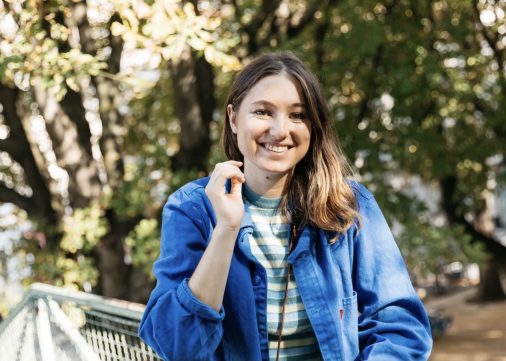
x=267 y=186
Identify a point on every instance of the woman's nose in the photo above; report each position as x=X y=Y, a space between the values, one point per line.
x=279 y=127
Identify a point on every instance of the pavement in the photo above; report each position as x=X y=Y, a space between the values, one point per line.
x=477 y=333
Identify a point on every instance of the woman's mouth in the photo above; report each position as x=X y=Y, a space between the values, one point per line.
x=275 y=148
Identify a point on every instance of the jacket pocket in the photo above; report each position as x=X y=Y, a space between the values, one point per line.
x=348 y=314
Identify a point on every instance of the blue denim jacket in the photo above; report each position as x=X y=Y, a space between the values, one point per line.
x=356 y=291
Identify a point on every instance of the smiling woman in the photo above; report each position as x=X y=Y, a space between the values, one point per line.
x=282 y=242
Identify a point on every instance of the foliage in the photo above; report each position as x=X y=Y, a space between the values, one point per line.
x=31 y=52
x=144 y=242
x=416 y=96
x=83 y=229
x=50 y=44
x=165 y=27
x=416 y=88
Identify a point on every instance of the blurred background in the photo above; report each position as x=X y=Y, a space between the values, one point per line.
x=107 y=107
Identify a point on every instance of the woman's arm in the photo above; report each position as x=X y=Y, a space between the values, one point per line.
x=182 y=320
x=393 y=324
x=210 y=277
x=175 y=323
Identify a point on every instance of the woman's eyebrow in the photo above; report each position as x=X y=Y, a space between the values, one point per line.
x=268 y=103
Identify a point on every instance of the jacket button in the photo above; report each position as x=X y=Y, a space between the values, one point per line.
x=257 y=280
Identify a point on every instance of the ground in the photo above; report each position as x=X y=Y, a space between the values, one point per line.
x=478 y=331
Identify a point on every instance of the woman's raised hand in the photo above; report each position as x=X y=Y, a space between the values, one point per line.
x=228 y=207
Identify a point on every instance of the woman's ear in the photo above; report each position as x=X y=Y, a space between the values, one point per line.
x=232 y=118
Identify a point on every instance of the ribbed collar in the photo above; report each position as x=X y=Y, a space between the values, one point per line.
x=259 y=201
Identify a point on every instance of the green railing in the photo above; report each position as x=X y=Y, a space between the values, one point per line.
x=56 y=324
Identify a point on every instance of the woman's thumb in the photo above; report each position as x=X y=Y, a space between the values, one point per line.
x=236 y=187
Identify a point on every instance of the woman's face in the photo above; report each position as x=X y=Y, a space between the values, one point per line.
x=272 y=128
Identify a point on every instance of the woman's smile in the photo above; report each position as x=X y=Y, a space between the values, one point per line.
x=279 y=149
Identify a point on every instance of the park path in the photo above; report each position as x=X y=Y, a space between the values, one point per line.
x=478 y=331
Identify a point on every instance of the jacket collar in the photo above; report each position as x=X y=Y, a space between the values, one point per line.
x=305 y=243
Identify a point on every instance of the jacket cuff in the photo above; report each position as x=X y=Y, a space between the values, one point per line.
x=194 y=305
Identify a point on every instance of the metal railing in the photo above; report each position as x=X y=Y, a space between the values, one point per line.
x=56 y=324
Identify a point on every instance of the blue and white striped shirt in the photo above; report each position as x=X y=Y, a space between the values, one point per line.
x=269 y=243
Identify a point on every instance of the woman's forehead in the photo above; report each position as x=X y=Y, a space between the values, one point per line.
x=281 y=89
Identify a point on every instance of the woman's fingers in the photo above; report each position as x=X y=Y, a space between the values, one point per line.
x=237 y=163
x=224 y=171
x=236 y=188
x=228 y=208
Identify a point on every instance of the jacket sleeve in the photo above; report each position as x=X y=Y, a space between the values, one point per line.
x=175 y=323
x=393 y=324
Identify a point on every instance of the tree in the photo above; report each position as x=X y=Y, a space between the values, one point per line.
x=422 y=94
x=61 y=66
x=423 y=83
x=414 y=87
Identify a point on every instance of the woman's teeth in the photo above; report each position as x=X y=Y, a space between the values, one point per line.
x=275 y=149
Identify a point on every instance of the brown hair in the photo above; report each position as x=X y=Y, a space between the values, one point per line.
x=318 y=192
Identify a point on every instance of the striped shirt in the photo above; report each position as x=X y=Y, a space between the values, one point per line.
x=269 y=243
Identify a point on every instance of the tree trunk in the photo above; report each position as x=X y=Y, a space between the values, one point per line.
x=193 y=84
x=141 y=286
x=110 y=258
x=43 y=205
x=71 y=154
x=110 y=261
x=111 y=97
x=490 y=288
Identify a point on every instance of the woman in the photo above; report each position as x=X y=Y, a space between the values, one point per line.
x=277 y=255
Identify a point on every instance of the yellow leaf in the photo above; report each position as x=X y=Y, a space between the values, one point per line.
x=118 y=29
x=72 y=83
x=189 y=10
x=225 y=61
x=142 y=9
x=196 y=43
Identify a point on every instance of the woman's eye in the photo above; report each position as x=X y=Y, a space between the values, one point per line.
x=261 y=112
x=299 y=116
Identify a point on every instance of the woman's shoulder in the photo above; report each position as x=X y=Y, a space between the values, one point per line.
x=193 y=191
x=192 y=187
x=362 y=194
x=191 y=199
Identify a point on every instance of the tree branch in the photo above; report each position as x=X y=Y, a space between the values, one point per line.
x=10 y=146
x=72 y=105
x=84 y=184
x=492 y=42
x=8 y=99
x=78 y=21
x=294 y=29
x=20 y=150
x=267 y=8
x=9 y=195
x=72 y=102
x=376 y=61
x=237 y=11
x=498 y=127
x=449 y=204
x=110 y=97
x=321 y=32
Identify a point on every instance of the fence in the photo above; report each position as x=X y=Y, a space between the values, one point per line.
x=54 y=324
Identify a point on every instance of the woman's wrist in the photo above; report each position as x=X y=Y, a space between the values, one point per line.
x=227 y=228
x=224 y=236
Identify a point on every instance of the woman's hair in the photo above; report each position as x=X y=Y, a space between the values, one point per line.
x=317 y=192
